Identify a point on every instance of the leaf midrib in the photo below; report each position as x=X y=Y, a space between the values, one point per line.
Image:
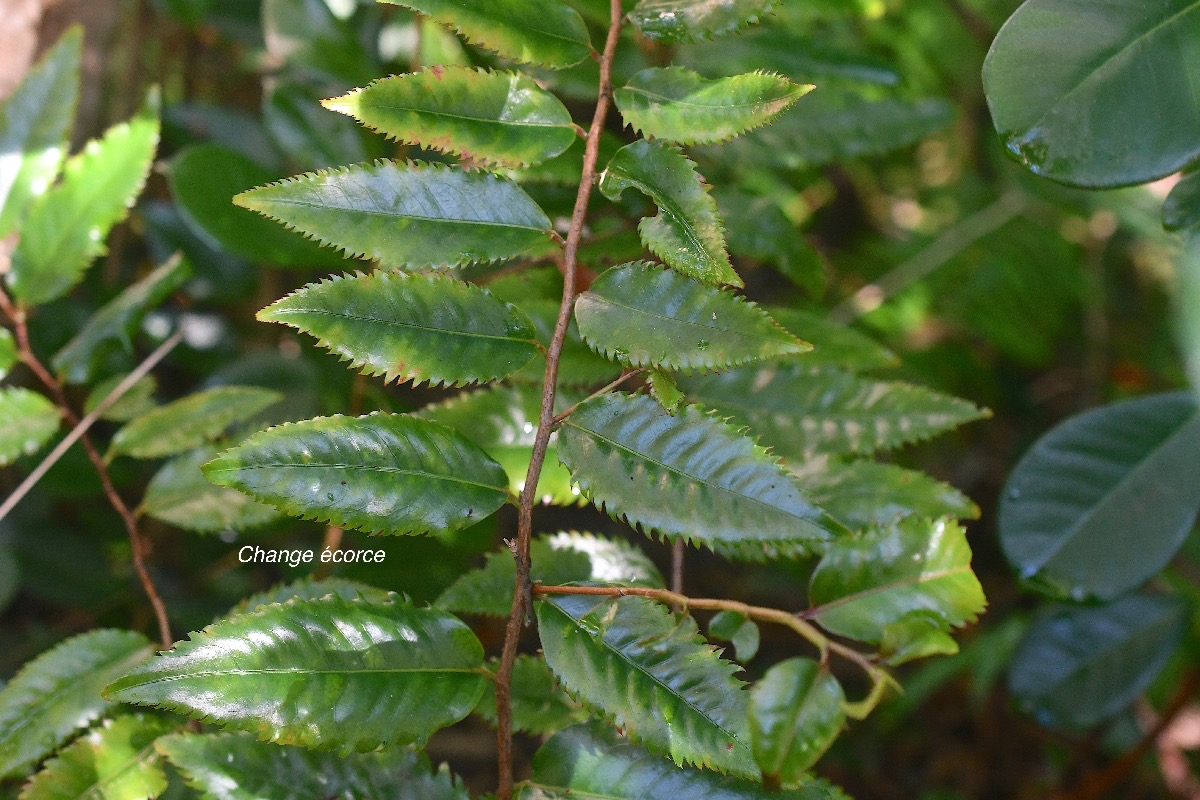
x=401 y=324
x=216 y=673
x=901 y=583
x=566 y=126
x=357 y=467
x=285 y=201
x=718 y=106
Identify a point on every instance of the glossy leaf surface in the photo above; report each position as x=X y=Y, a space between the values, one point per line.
x=688 y=475
x=309 y=589
x=653 y=674
x=679 y=105
x=1078 y=666
x=687 y=20
x=59 y=692
x=795 y=714
x=116 y=761
x=382 y=473
x=190 y=421
x=313 y=673
x=687 y=233
x=1103 y=501
x=27 y=421
x=1098 y=96
x=179 y=495
x=865 y=493
x=423 y=328
x=406 y=214
x=641 y=314
x=501 y=118
x=539 y=705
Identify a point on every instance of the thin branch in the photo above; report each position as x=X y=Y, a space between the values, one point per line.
x=523 y=591
x=558 y=419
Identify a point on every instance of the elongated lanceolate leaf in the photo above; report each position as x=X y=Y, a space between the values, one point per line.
x=587 y=763
x=913 y=566
x=191 y=421
x=66 y=227
x=423 y=328
x=179 y=495
x=59 y=692
x=689 y=475
x=687 y=233
x=796 y=712
x=116 y=761
x=800 y=411
x=27 y=421
x=407 y=214
x=539 y=705
x=687 y=20
x=382 y=473
x=653 y=674
x=1103 y=501
x=1097 y=96
x=35 y=124
x=834 y=345
x=233 y=766
x=1181 y=209
x=545 y=32
x=680 y=105
x=1078 y=666
x=644 y=315
x=564 y=557
x=113 y=326
x=331 y=674
x=500 y=118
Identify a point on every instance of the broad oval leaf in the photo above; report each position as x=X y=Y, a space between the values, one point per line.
x=35 y=124
x=66 y=227
x=1078 y=666
x=687 y=233
x=539 y=704
x=688 y=20
x=644 y=315
x=796 y=713
x=1181 y=209
x=179 y=495
x=653 y=674
x=407 y=214
x=501 y=118
x=116 y=761
x=331 y=674
x=545 y=32
x=423 y=328
x=1103 y=501
x=190 y=421
x=27 y=421
x=234 y=766
x=586 y=763
x=382 y=473
x=1097 y=96
x=59 y=692
x=679 y=105
x=913 y=566
x=689 y=475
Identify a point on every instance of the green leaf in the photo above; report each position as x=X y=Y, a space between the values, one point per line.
x=313 y=673
x=800 y=411
x=309 y=589
x=737 y=629
x=760 y=231
x=59 y=692
x=501 y=118
x=796 y=713
x=114 y=325
x=306 y=34
x=27 y=421
x=407 y=214
x=556 y=559
x=913 y=636
x=644 y=315
x=191 y=421
x=539 y=705
x=138 y=400
x=8 y=352
x=653 y=674
x=35 y=124
x=869 y=581
x=1181 y=209
x=679 y=105
x=307 y=134
x=690 y=476
x=204 y=178
x=1104 y=500
x=382 y=473
x=1097 y=96
x=579 y=364
x=586 y=763
x=66 y=227
x=233 y=766
x=688 y=20
x=544 y=32
x=687 y=233
x=664 y=389
x=833 y=344
x=423 y=328
x=116 y=761
x=179 y=495
x=1078 y=666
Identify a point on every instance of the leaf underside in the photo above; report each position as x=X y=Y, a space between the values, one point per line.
x=179 y=495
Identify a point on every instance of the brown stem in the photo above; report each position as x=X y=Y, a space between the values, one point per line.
x=523 y=591
x=332 y=541
x=558 y=418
